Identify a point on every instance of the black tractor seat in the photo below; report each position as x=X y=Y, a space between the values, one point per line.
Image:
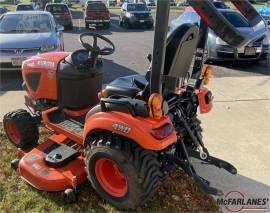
x=125 y=86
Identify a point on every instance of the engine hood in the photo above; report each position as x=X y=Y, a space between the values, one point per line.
x=26 y=40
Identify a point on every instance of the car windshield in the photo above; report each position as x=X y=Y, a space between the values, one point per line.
x=96 y=7
x=24 y=7
x=235 y=19
x=57 y=8
x=136 y=7
x=25 y=23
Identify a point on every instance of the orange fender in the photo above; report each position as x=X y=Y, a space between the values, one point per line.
x=137 y=129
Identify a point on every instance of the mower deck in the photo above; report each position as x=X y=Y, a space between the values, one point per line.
x=55 y=165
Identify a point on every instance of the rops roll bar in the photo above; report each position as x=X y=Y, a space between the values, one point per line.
x=223 y=28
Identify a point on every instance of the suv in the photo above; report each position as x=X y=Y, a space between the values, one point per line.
x=135 y=14
x=61 y=14
x=96 y=13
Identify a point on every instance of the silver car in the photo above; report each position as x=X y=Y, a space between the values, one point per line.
x=218 y=50
x=24 y=34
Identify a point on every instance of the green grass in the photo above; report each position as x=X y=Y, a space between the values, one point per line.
x=178 y=193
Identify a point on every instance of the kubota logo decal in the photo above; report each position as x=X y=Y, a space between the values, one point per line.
x=121 y=128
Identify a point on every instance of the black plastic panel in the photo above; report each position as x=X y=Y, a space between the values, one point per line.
x=33 y=80
x=58 y=155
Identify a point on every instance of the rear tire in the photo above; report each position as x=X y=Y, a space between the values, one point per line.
x=137 y=172
x=21 y=129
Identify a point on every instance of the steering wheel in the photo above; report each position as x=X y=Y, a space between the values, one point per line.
x=94 y=48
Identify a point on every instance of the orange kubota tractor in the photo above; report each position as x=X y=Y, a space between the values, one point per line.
x=125 y=138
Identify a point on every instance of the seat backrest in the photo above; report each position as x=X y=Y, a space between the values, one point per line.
x=181 y=47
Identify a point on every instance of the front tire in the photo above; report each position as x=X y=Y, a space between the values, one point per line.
x=121 y=172
x=21 y=129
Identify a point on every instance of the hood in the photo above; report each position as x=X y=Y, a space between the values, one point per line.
x=26 y=40
x=245 y=30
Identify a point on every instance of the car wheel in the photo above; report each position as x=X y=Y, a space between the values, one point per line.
x=126 y=24
x=107 y=26
x=151 y=26
x=69 y=27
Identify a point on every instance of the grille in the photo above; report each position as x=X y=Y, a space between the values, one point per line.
x=20 y=50
x=7 y=65
x=226 y=55
x=142 y=16
x=242 y=55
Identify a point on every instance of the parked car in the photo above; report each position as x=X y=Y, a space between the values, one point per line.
x=135 y=15
x=219 y=50
x=67 y=2
x=25 y=6
x=3 y=10
x=111 y=3
x=25 y=34
x=265 y=12
x=61 y=14
x=150 y=2
x=96 y=13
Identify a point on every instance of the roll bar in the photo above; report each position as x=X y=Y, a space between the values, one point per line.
x=223 y=28
x=213 y=19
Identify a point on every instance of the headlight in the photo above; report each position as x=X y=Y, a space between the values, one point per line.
x=47 y=48
x=220 y=41
x=129 y=15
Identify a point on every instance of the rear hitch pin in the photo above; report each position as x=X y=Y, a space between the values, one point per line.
x=203 y=155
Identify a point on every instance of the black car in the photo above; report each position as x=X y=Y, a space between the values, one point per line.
x=135 y=15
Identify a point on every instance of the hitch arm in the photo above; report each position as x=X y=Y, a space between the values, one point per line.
x=214 y=161
x=186 y=165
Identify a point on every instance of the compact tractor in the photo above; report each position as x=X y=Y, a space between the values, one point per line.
x=126 y=137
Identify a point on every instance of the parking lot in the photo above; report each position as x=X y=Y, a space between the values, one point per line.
x=132 y=47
